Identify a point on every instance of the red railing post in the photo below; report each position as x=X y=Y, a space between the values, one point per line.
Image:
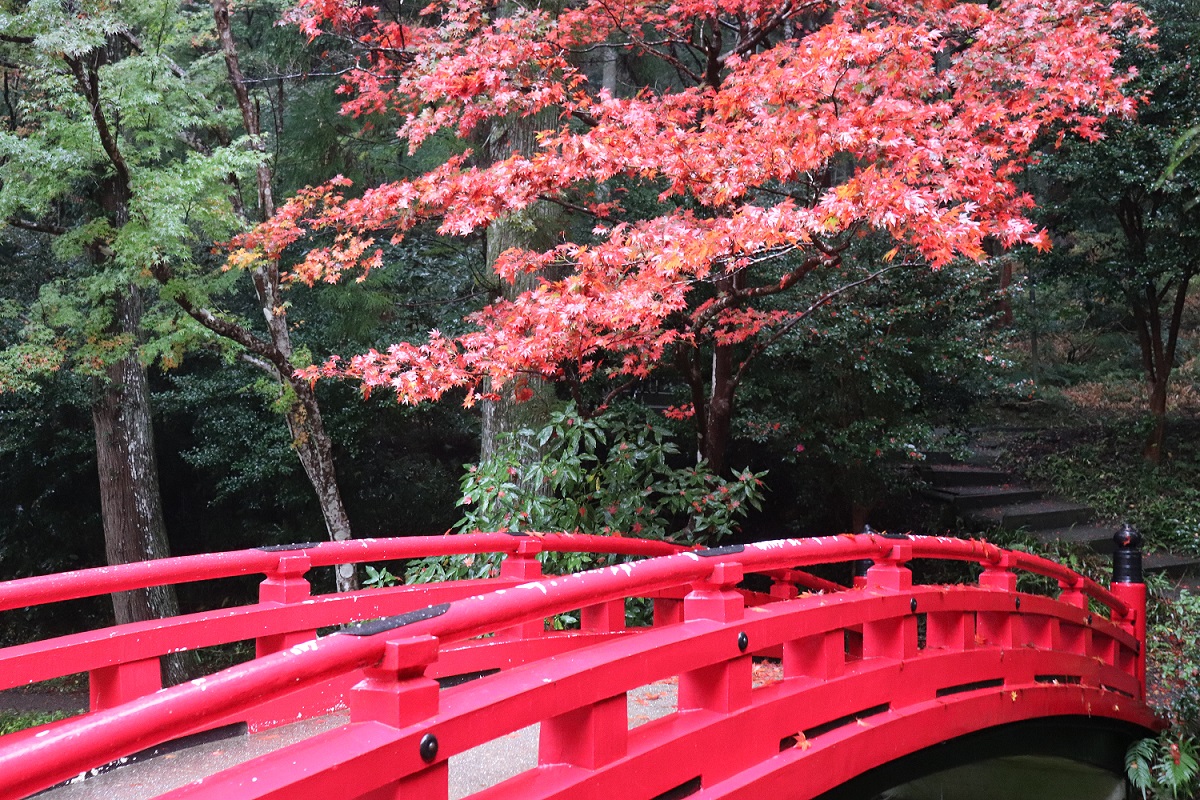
x=998 y=574
x=589 y=737
x=892 y=637
x=782 y=585
x=725 y=685
x=523 y=565
x=889 y=570
x=608 y=616
x=111 y=686
x=1072 y=593
x=285 y=584
x=999 y=628
x=396 y=692
x=1129 y=586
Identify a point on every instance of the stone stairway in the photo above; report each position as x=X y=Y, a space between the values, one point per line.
x=980 y=497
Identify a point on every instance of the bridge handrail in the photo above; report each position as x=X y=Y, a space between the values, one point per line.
x=988 y=554
x=94 y=581
x=151 y=719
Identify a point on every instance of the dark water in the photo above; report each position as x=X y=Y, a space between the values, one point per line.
x=1014 y=778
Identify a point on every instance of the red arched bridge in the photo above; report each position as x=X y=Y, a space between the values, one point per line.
x=872 y=673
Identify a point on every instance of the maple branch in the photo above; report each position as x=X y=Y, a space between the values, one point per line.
x=250 y=119
x=808 y=201
x=255 y=361
x=136 y=45
x=1177 y=310
x=617 y=390
x=585 y=118
x=224 y=328
x=39 y=227
x=291 y=76
x=89 y=84
x=744 y=46
x=569 y=206
x=14 y=39
x=652 y=48
x=824 y=299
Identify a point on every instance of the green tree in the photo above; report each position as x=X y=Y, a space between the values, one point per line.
x=94 y=126
x=859 y=387
x=133 y=134
x=1124 y=210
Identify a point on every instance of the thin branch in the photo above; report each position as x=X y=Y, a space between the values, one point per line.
x=227 y=329
x=136 y=45
x=569 y=206
x=736 y=296
x=616 y=390
x=291 y=76
x=255 y=361
x=824 y=299
x=40 y=227
x=89 y=85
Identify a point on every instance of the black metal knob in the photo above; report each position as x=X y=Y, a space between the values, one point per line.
x=429 y=748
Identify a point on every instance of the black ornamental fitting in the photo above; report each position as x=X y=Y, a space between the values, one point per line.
x=428 y=748
x=1127 y=556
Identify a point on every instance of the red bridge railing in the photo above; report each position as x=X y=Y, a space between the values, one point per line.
x=979 y=648
x=122 y=662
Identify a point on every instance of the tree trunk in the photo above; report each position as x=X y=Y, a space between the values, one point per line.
x=1153 y=449
x=535 y=228
x=309 y=437
x=130 y=503
x=314 y=449
x=718 y=418
x=1158 y=348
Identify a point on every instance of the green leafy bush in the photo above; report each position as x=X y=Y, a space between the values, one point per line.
x=13 y=721
x=615 y=474
x=1163 y=767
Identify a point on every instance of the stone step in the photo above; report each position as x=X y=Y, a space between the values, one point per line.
x=969 y=498
x=1098 y=538
x=949 y=475
x=1041 y=515
x=1171 y=564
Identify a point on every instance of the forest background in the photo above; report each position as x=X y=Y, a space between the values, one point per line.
x=140 y=139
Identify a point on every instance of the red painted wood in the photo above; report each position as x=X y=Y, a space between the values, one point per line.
x=846 y=652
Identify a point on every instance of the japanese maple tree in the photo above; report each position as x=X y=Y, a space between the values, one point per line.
x=774 y=133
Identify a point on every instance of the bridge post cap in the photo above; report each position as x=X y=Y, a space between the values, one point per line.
x=1127 y=538
x=1127 y=556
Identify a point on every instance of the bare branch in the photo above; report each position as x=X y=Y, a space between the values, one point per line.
x=255 y=361
x=39 y=227
x=824 y=299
